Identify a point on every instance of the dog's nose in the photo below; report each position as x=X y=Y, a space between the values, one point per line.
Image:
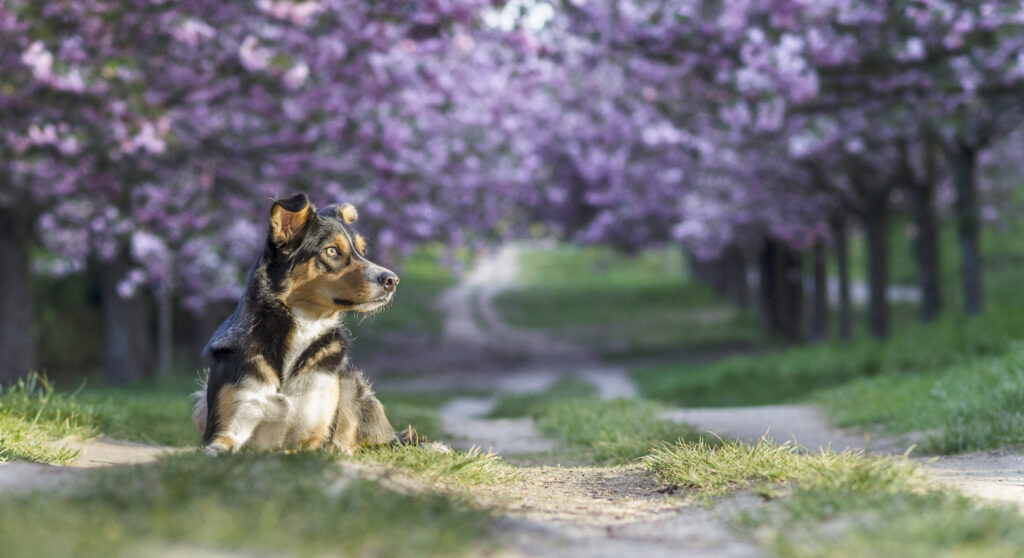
x=388 y=280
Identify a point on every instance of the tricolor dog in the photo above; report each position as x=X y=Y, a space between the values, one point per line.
x=280 y=375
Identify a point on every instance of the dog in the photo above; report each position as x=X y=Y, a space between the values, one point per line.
x=279 y=374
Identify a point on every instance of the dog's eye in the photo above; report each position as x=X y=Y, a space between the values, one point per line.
x=332 y=252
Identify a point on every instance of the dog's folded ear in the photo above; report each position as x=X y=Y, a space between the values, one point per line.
x=348 y=213
x=289 y=219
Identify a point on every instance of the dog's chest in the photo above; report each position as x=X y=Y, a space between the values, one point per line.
x=304 y=333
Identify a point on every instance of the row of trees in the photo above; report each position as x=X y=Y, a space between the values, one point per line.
x=142 y=140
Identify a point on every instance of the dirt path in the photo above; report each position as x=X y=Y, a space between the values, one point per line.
x=93 y=453
x=594 y=511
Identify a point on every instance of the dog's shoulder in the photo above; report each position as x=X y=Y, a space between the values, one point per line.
x=230 y=336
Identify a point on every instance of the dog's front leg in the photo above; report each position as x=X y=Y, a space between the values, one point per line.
x=240 y=409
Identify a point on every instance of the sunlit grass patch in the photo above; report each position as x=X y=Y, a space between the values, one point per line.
x=713 y=469
x=33 y=415
x=978 y=404
x=459 y=469
x=869 y=508
x=303 y=504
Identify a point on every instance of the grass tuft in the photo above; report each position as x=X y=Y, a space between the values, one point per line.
x=33 y=416
x=714 y=469
x=454 y=468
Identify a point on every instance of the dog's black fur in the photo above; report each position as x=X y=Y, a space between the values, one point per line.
x=314 y=264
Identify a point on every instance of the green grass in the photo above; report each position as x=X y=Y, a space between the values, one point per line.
x=840 y=504
x=533 y=404
x=421 y=410
x=820 y=523
x=622 y=305
x=846 y=505
x=456 y=469
x=977 y=404
x=712 y=469
x=593 y=429
x=33 y=415
x=302 y=505
x=796 y=373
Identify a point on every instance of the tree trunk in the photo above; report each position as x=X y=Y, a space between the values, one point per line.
x=926 y=250
x=876 y=230
x=164 y=332
x=969 y=226
x=819 y=327
x=129 y=336
x=843 y=268
x=781 y=289
x=736 y=275
x=17 y=341
x=767 y=288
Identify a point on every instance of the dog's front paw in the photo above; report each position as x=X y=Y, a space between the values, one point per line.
x=215 y=449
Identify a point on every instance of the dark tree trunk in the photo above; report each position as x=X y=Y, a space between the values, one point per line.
x=129 y=337
x=843 y=268
x=969 y=226
x=876 y=231
x=164 y=332
x=819 y=323
x=17 y=340
x=781 y=289
x=735 y=269
x=926 y=249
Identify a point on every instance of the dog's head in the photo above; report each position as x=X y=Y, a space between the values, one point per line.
x=317 y=262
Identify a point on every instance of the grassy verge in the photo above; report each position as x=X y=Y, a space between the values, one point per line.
x=841 y=504
x=622 y=306
x=299 y=505
x=33 y=415
x=969 y=406
x=793 y=374
x=595 y=430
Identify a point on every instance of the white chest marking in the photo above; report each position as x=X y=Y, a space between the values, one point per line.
x=302 y=336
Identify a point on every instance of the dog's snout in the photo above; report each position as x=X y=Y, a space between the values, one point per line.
x=388 y=280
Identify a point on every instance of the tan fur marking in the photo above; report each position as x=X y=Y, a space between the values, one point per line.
x=264 y=371
x=227 y=405
x=332 y=348
x=348 y=213
x=346 y=430
x=360 y=244
x=310 y=287
x=341 y=241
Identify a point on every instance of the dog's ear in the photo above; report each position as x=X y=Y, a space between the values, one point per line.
x=348 y=213
x=289 y=219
